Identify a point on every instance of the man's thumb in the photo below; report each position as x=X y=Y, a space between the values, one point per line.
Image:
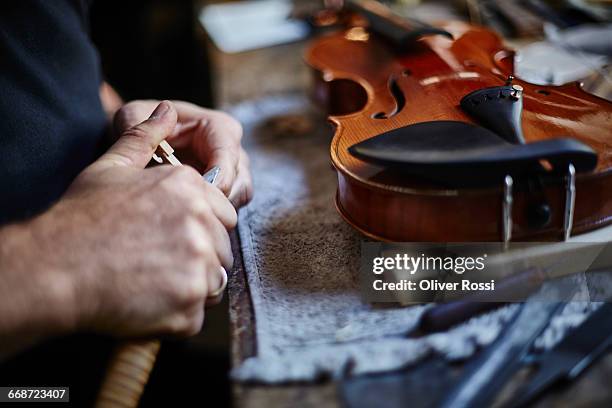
x=136 y=145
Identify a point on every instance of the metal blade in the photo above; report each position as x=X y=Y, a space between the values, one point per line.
x=211 y=175
x=490 y=371
x=572 y=355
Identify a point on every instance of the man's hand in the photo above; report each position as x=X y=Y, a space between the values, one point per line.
x=203 y=138
x=126 y=251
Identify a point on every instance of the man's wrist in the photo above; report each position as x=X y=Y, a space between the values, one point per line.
x=53 y=273
x=37 y=300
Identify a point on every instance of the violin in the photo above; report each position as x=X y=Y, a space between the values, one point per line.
x=435 y=140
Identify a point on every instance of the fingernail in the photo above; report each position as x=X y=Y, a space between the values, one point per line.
x=211 y=175
x=161 y=110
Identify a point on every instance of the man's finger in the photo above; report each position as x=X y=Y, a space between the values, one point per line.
x=217 y=143
x=221 y=206
x=242 y=189
x=137 y=144
x=227 y=173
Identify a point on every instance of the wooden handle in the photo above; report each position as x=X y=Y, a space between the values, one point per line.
x=128 y=372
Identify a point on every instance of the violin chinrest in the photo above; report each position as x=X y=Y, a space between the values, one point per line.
x=455 y=152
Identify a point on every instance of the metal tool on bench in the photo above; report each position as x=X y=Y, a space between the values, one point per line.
x=531 y=266
x=443 y=316
x=571 y=356
x=496 y=365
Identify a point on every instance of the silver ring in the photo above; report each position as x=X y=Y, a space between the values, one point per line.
x=221 y=289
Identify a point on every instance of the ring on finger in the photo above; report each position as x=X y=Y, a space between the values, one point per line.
x=223 y=285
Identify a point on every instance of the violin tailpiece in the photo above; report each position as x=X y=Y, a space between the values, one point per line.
x=498 y=109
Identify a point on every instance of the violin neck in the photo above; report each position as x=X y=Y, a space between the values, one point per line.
x=400 y=32
x=377 y=14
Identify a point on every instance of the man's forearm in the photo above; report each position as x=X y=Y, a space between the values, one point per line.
x=35 y=302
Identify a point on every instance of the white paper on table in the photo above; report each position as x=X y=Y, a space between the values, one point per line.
x=544 y=63
x=247 y=25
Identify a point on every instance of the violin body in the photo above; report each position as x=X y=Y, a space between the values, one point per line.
x=370 y=89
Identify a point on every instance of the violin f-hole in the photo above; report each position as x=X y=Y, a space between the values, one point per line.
x=398 y=96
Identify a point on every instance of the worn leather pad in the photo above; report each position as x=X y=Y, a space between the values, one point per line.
x=452 y=152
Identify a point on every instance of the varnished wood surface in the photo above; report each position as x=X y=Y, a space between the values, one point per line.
x=433 y=77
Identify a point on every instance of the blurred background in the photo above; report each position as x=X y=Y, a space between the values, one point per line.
x=189 y=49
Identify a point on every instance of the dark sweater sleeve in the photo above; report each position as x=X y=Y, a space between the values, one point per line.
x=51 y=118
